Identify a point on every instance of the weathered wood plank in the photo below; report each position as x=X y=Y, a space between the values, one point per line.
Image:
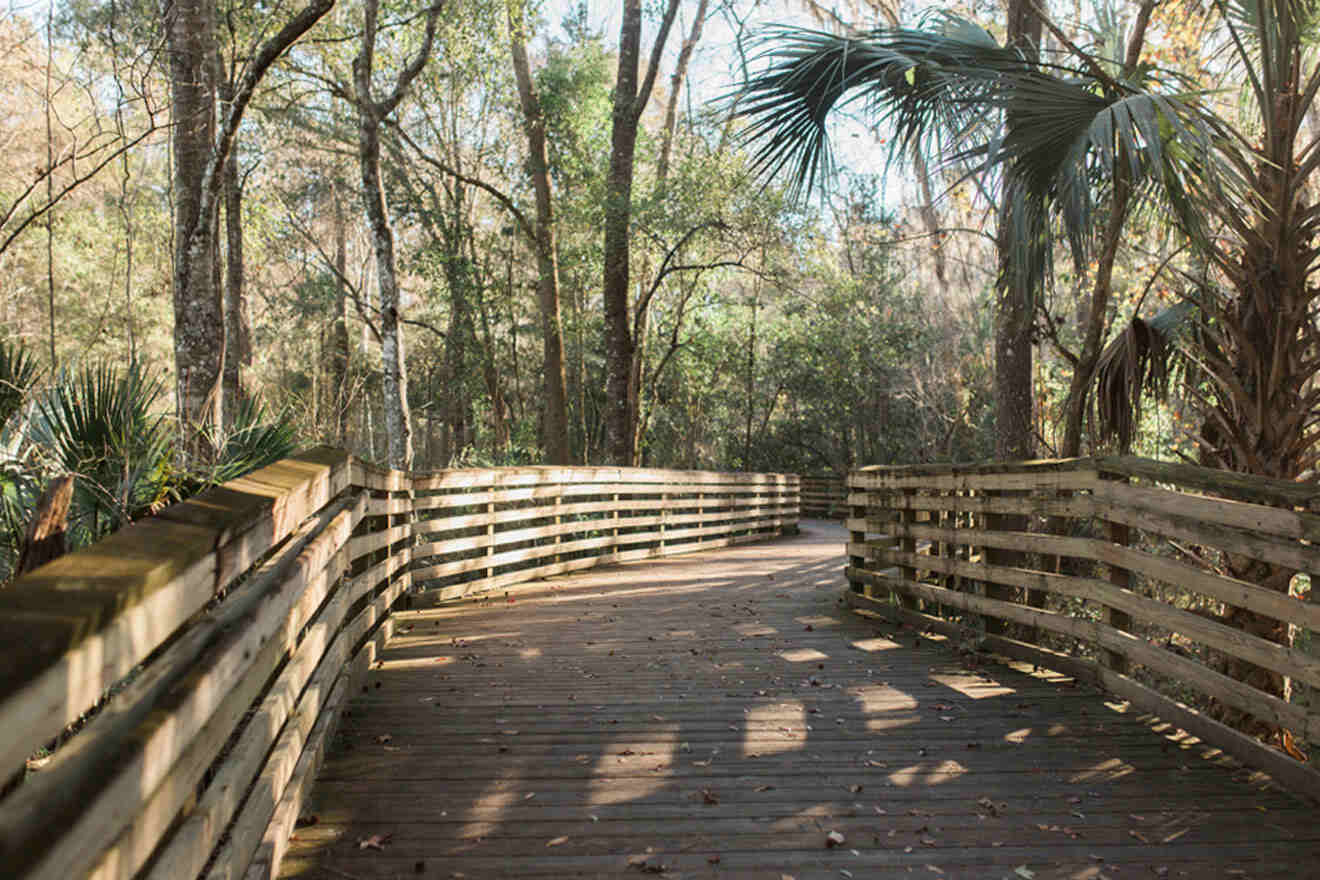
x=89 y=617
x=148 y=725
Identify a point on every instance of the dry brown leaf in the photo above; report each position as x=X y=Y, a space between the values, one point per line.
x=557 y=841
x=375 y=841
x=709 y=797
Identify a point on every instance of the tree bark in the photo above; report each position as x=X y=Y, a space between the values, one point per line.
x=555 y=403
x=339 y=346
x=1014 y=439
x=238 y=334
x=46 y=539
x=371 y=113
x=199 y=159
x=630 y=98
x=1079 y=386
x=198 y=317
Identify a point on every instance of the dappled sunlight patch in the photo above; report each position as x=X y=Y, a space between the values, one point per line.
x=1109 y=769
x=429 y=661
x=815 y=620
x=754 y=629
x=803 y=655
x=882 y=698
x=779 y=727
x=529 y=653
x=876 y=644
x=972 y=688
x=917 y=774
x=1019 y=736
x=656 y=756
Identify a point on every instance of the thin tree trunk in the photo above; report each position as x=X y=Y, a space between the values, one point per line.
x=398 y=420
x=555 y=403
x=339 y=348
x=201 y=149
x=238 y=337
x=630 y=98
x=1080 y=385
x=1014 y=438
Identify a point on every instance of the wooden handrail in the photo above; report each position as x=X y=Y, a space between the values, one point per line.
x=825 y=497
x=162 y=640
x=1134 y=562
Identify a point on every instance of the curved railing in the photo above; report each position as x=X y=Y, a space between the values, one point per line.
x=1176 y=588
x=196 y=662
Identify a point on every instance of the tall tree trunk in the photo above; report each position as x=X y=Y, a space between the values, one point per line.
x=371 y=112
x=458 y=335
x=339 y=348
x=1014 y=315
x=1097 y=313
x=555 y=403
x=630 y=98
x=200 y=153
x=238 y=335
x=198 y=317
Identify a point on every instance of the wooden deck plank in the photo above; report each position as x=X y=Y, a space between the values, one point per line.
x=717 y=715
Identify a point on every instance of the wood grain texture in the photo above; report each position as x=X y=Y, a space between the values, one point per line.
x=717 y=715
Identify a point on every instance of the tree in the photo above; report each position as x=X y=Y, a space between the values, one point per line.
x=630 y=98
x=547 y=249
x=201 y=151
x=371 y=113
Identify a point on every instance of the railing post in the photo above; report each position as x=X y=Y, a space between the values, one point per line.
x=997 y=556
x=856 y=538
x=908 y=544
x=1120 y=534
x=490 y=531
x=701 y=513
x=664 y=514
x=559 y=518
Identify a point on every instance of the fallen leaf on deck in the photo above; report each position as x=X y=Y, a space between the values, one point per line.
x=833 y=839
x=709 y=797
x=384 y=738
x=1024 y=872
x=375 y=841
x=557 y=841
x=765 y=788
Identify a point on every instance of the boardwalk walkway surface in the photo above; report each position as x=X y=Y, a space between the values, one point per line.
x=719 y=715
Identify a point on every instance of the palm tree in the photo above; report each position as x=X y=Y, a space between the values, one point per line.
x=1066 y=135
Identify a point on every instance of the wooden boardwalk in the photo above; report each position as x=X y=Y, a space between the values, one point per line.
x=719 y=715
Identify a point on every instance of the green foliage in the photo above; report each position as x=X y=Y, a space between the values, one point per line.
x=103 y=426
x=18 y=373
x=99 y=425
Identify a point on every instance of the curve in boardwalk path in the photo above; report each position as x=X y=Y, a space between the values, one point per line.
x=720 y=715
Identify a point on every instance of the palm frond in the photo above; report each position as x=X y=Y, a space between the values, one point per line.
x=18 y=373
x=925 y=85
x=1136 y=367
x=100 y=424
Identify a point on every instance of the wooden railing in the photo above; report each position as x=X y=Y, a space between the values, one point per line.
x=195 y=663
x=824 y=497
x=1119 y=571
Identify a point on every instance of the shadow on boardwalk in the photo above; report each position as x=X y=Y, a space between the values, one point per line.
x=718 y=715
